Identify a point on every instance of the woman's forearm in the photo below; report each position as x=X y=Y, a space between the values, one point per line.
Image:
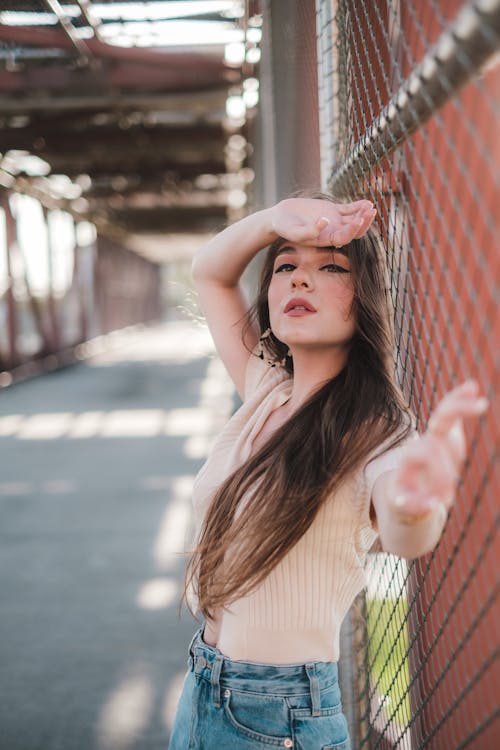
x=412 y=541
x=223 y=259
x=408 y=540
x=313 y=222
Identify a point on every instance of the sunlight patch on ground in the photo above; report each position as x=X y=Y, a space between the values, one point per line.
x=120 y=423
x=88 y=424
x=187 y=421
x=170 y=342
x=10 y=424
x=171 y=538
x=216 y=400
x=58 y=487
x=133 y=423
x=49 y=487
x=48 y=426
x=16 y=488
x=157 y=593
x=127 y=710
x=197 y=423
x=155 y=483
x=177 y=342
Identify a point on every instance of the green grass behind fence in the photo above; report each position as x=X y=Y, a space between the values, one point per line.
x=387 y=648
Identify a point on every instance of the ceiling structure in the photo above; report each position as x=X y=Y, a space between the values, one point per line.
x=131 y=114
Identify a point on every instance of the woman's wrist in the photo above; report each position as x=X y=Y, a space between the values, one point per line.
x=411 y=535
x=223 y=259
x=410 y=519
x=265 y=216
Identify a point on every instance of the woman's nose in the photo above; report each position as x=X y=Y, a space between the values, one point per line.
x=300 y=278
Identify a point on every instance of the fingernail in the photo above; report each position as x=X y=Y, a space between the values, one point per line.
x=324 y=218
x=399 y=501
x=361 y=222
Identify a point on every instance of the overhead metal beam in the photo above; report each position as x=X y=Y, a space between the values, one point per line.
x=120 y=224
x=183 y=171
x=190 y=59
x=84 y=54
x=196 y=218
x=198 y=103
x=123 y=75
x=86 y=11
x=115 y=137
x=157 y=185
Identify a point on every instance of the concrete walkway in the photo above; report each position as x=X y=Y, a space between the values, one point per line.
x=97 y=463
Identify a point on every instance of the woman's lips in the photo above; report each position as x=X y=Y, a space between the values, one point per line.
x=298 y=306
x=299 y=312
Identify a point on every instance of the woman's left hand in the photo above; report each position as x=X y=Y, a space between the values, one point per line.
x=430 y=467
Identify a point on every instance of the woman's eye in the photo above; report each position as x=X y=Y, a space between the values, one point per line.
x=330 y=267
x=334 y=268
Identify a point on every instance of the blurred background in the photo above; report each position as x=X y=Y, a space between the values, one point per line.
x=130 y=132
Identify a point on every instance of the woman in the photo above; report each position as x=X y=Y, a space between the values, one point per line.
x=321 y=461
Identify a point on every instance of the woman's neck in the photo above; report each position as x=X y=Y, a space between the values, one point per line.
x=312 y=368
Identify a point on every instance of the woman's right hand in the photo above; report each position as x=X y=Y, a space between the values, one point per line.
x=318 y=222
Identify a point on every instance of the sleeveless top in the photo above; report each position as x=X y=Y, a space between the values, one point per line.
x=295 y=614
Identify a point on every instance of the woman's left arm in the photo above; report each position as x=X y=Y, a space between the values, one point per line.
x=412 y=501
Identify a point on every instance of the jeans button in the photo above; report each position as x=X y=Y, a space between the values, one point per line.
x=201 y=662
x=288 y=742
x=227 y=693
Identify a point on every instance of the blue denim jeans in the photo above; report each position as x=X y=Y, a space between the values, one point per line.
x=236 y=705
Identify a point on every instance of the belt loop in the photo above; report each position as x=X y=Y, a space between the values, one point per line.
x=215 y=679
x=314 y=687
x=193 y=639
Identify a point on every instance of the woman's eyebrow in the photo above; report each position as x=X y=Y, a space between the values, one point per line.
x=328 y=249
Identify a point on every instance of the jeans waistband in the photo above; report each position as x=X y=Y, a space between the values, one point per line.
x=277 y=679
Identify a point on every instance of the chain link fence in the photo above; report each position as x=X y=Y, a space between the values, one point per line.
x=408 y=114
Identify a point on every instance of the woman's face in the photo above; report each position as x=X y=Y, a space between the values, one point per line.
x=310 y=296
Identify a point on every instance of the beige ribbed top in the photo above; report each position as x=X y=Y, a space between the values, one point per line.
x=294 y=616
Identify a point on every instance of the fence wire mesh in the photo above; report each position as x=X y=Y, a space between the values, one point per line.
x=408 y=106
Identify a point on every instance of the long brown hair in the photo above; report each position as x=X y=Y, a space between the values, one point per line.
x=265 y=506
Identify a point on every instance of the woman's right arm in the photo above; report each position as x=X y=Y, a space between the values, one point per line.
x=217 y=268
x=218 y=265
